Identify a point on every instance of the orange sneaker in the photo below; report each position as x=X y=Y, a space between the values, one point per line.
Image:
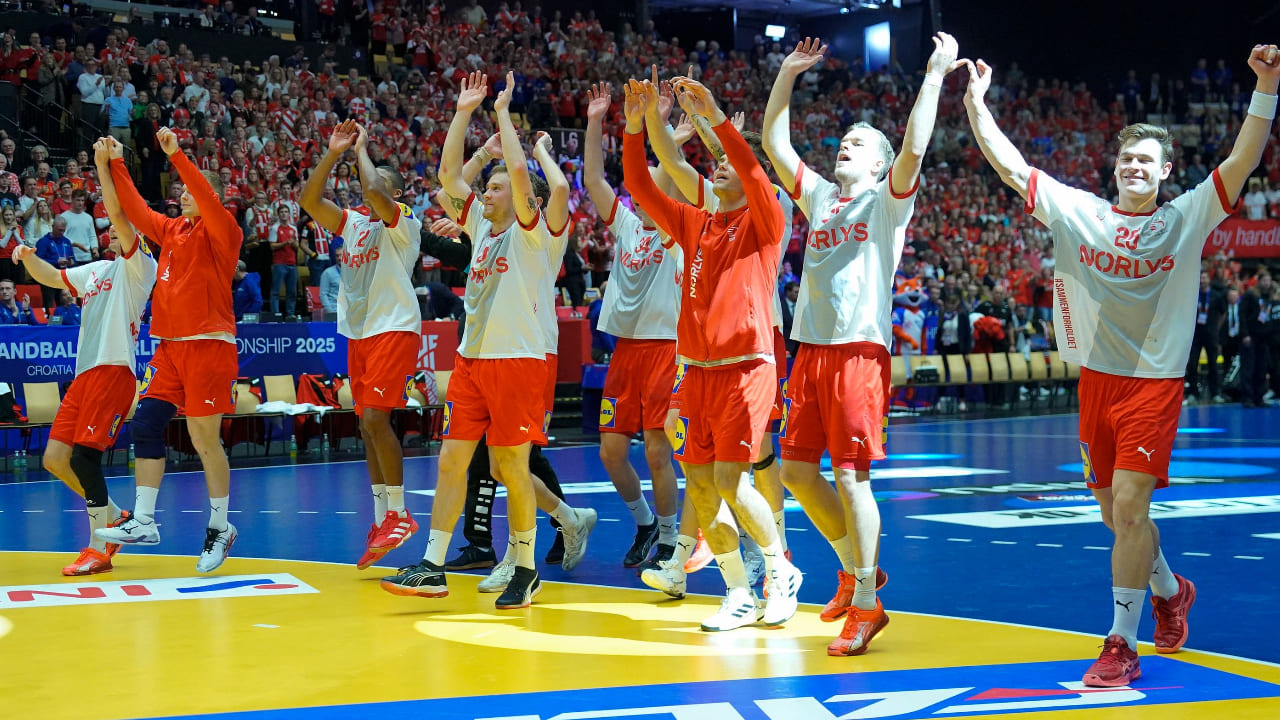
x=393 y=533
x=90 y=562
x=113 y=548
x=843 y=599
x=1116 y=666
x=369 y=556
x=1171 y=616
x=701 y=557
x=860 y=626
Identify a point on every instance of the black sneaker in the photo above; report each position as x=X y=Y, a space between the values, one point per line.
x=472 y=558
x=556 y=553
x=646 y=536
x=662 y=552
x=422 y=580
x=520 y=591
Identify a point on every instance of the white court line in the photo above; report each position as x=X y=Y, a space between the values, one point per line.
x=916 y=537
x=959 y=539
x=1003 y=542
x=1095 y=547
x=308 y=512
x=1197 y=554
x=1048 y=545
x=1247 y=557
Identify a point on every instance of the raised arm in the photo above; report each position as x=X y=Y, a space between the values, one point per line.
x=558 y=205
x=906 y=168
x=635 y=167
x=104 y=151
x=658 y=100
x=480 y=159
x=1245 y=155
x=147 y=221
x=1003 y=156
x=211 y=207
x=474 y=89
x=39 y=268
x=777 y=114
x=602 y=196
x=517 y=167
x=322 y=210
x=375 y=188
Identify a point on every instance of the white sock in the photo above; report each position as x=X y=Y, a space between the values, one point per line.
x=97 y=521
x=667 y=530
x=379 y=503
x=511 y=549
x=1127 y=609
x=1163 y=584
x=641 y=512
x=780 y=522
x=864 y=595
x=144 y=503
x=844 y=550
x=772 y=556
x=684 y=549
x=218 y=512
x=395 y=499
x=113 y=510
x=733 y=570
x=524 y=542
x=567 y=516
x=437 y=546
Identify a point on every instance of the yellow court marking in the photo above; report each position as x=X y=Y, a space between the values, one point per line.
x=350 y=642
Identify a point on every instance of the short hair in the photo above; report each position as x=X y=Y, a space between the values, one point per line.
x=215 y=182
x=394 y=180
x=886 y=147
x=7 y=280
x=541 y=189
x=1142 y=131
x=80 y=194
x=756 y=143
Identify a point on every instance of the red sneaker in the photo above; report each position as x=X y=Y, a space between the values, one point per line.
x=393 y=533
x=90 y=562
x=1116 y=666
x=1171 y=616
x=860 y=626
x=113 y=548
x=701 y=557
x=369 y=555
x=843 y=599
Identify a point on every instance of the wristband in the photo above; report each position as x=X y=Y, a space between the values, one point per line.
x=1263 y=106
x=934 y=80
x=484 y=155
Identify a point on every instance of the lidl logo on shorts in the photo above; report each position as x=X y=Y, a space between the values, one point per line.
x=115 y=425
x=448 y=415
x=546 y=423
x=681 y=368
x=682 y=434
x=233 y=392
x=608 y=411
x=147 y=377
x=884 y=431
x=408 y=386
x=1089 y=476
x=67 y=594
x=786 y=413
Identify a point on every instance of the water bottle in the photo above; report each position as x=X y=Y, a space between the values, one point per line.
x=293 y=448
x=131 y=456
x=324 y=446
x=20 y=461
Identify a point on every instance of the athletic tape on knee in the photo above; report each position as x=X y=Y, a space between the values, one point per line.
x=148 y=426
x=86 y=463
x=765 y=463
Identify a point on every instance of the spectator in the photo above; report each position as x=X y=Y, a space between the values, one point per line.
x=330 y=282
x=55 y=249
x=93 y=93
x=600 y=257
x=1255 y=341
x=1234 y=327
x=119 y=111
x=441 y=303
x=790 y=293
x=80 y=228
x=284 y=262
x=574 y=280
x=10 y=238
x=1255 y=200
x=246 y=292
x=40 y=222
x=67 y=312
x=11 y=311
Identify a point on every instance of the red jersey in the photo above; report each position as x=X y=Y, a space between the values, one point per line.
x=730 y=258
x=287 y=255
x=198 y=256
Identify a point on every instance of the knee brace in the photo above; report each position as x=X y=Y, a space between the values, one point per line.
x=765 y=463
x=86 y=463
x=147 y=427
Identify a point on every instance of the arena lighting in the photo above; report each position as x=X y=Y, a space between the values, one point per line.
x=775 y=32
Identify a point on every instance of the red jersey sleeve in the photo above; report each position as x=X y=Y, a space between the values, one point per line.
x=140 y=215
x=669 y=215
x=761 y=197
x=224 y=231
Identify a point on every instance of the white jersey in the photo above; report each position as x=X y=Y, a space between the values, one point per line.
x=710 y=202
x=547 y=294
x=376 y=295
x=506 y=283
x=642 y=299
x=851 y=252
x=115 y=293
x=1125 y=284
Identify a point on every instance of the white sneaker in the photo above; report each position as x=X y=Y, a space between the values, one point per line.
x=669 y=577
x=130 y=532
x=738 y=609
x=575 y=538
x=217 y=545
x=781 y=589
x=500 y=577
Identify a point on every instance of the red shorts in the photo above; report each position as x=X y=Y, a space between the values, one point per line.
x=382 y=368
x=725 y=412
x=780 y=362
x=549 y=397
x=95 y=406
x=1127 y=423
x=637 y=389
x=837 y=400
x=494 y=397
x=677 y=387
x=197 y=376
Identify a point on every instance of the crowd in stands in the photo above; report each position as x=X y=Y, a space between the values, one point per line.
x=978 y=273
